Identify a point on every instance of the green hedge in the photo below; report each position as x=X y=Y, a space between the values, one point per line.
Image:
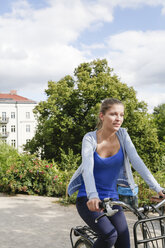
x=145 y=193
x=24 y=173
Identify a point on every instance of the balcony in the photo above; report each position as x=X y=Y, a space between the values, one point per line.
x=4 y=134
x=4 y=120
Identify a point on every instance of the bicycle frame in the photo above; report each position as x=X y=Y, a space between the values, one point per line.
x=84 y=232
x=143 y=221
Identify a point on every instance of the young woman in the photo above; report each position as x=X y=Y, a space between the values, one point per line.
x=106 y=153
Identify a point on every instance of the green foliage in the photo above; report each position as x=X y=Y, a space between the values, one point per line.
x=159 y=118
x=23 y=173
x=145 y=193
x=69 y=161
x=163 y=162
x=143 y=133
x=68 y=200
x=72 y=107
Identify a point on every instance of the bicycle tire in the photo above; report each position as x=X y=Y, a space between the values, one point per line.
x=83 y=243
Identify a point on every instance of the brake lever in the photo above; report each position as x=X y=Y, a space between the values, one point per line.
x=97 y=219
x=109 y=211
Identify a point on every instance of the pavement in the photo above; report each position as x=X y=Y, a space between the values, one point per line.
x=40 y=222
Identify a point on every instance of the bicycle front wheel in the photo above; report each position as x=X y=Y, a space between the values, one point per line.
x=83 y=243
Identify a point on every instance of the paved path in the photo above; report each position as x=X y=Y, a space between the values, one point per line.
x=40 y=222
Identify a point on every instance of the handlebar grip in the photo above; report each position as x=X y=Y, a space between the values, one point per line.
x=163 y=191
x=101 y=205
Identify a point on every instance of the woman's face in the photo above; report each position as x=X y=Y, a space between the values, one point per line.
x=113 y=117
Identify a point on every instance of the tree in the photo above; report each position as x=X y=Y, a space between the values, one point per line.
x=72 y=107
x=159 y=117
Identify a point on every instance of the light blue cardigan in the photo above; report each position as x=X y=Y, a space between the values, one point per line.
x=85 y=170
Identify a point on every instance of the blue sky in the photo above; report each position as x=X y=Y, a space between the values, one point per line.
x=144 y=18
x=42 y=40
x=6 y=5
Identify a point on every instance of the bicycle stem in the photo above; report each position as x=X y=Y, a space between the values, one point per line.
x=160 y=204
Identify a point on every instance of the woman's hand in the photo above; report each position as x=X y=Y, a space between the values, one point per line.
x=162 y=194
x=93 y=204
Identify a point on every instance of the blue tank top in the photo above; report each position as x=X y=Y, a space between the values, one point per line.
x=106 y=172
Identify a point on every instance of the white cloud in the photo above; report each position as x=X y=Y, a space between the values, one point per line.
x=163 y=10
x=139 y=56
x=36 y=45
x=138 y=59
x=153 y=95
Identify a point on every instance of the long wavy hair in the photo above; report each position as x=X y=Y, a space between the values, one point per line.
x=106 y=104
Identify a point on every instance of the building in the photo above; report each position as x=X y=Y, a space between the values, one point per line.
x=17 y=122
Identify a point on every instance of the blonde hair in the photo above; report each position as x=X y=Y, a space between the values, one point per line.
x=106 y=104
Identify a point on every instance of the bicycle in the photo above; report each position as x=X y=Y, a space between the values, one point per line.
x=152 y=229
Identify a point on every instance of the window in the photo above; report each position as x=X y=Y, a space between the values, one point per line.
x=12 y=115
x=4 y=129
x=27 y=128
x=27 y=140
x=27 y=115
x=4 y=132
x=4 y=116
x=13 y=128
x=13 y=143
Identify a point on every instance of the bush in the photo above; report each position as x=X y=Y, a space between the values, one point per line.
x=145 y=193
x=69 y=163
x=163 y=162
x=23 y=173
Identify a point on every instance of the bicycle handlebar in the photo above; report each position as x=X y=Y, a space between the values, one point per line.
x=107 y=204
x=140 y=209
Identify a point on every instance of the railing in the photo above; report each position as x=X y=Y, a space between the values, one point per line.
x=4 y=135
x=4 y=120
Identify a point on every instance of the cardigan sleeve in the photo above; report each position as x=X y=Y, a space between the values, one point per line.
x=87 y=166
x=139 y=165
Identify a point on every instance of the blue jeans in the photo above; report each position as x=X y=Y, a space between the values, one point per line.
x=111 y=230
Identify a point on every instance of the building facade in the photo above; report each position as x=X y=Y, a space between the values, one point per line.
x=17 y=122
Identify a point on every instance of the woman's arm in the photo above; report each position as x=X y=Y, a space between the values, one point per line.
x=93 y=204
x=87 y=173
x=87 y=166
x=139 y=165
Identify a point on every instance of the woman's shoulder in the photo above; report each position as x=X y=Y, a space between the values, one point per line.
x=122 y=134
x=122 y=131
x=90 y=136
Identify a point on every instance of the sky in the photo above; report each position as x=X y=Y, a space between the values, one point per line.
x=43 y=40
